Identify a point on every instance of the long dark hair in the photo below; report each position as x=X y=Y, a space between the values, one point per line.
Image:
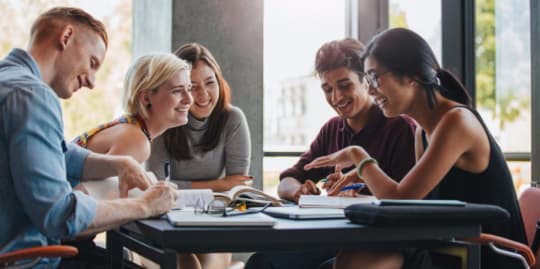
x=405 y=53
x=175 y=139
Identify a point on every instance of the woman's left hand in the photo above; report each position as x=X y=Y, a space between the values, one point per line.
x=344 y=158
x=228 y=182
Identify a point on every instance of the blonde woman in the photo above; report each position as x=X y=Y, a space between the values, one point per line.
x=157 y=96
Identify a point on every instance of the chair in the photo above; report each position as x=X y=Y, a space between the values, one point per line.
x=35 y=253
x=530 y=212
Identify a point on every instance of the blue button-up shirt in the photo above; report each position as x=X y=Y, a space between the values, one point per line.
x=37 y=204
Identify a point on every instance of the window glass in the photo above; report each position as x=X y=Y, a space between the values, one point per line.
x=503 y=71
x=85 y=109
x=421 y=16
x=503 y=82
x=294 y=105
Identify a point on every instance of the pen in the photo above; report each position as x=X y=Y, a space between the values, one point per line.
x=167 y=168
x=355 y=186
x=324 y=180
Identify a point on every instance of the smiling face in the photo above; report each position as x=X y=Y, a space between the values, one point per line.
x=205 y=90
x=78 y=62
x=171 y=101
x=345 y=92
x=394 y=96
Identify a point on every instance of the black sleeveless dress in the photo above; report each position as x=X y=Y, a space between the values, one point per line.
x=492 y=186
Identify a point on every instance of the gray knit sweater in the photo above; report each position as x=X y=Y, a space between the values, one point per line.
x=231 y=155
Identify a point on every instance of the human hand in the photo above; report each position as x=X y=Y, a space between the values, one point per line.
x=347 y=179
x=130 y=175
x=228 y=182
x=347 y=193
x=308 y=187
x=331 y=179
x=344 y=158
x=159 y=198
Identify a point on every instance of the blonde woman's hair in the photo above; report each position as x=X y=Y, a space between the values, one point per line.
x=147 y=74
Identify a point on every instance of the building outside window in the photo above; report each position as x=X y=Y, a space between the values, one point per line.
x=294 y=105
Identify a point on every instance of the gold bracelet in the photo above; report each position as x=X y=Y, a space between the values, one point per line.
x=361 y=165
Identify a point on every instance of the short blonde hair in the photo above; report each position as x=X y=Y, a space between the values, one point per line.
x=147 y=74
x=58 y=16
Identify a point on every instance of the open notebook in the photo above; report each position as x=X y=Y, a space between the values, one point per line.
x=187 y=217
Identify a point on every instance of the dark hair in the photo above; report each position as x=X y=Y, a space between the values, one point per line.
x=46 y=21
x=175 y=139
x=340 y=53
x=405 y=53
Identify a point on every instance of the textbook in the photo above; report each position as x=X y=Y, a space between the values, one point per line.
x=321 y=201
x=248 y=194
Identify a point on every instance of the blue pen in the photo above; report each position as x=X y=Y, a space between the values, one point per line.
x=355 y=186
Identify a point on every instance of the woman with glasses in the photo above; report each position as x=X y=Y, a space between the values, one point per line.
x=359 y=122
x=457 y=158
x=214 y=149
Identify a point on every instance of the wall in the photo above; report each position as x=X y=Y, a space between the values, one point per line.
x=232 y=30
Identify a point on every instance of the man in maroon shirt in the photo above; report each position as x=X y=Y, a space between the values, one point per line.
x=360 y=122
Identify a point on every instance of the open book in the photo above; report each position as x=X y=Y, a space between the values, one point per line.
x=247 y=194
x=323 y=201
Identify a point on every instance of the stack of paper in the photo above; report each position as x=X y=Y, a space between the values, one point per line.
x=107 y=189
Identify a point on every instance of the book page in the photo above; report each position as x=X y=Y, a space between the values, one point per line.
x=334 y=201
x=251 y=194
x=188 y=198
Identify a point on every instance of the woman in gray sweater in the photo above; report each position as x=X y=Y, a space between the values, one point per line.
x=213 y=150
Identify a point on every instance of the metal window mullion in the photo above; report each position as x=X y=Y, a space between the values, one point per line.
x=535 y=88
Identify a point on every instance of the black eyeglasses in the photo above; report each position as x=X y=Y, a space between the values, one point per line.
x=219 y=207
x=372 y=78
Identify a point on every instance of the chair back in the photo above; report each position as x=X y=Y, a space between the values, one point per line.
x=529 y=202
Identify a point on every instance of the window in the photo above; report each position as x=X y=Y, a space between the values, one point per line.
x=503 y=82
x=426 y=21
x=294 y=106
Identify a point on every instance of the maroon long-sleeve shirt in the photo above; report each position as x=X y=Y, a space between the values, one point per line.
x=389 y=140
